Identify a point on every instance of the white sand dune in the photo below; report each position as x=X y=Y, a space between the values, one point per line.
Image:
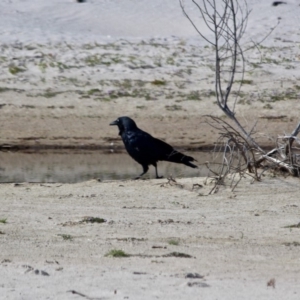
x=36 y=20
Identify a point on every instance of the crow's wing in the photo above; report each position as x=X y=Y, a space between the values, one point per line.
x=146 y=149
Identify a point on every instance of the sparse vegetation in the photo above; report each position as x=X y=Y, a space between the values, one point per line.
x=193 y=95
x=295 y=244
x=117 y=253
x=93 y=92
x=94 y=60
x=66 y=237
x=173 y=242
x=3 y=89
x=158 y=82
x=14 y=70
x=245 y=81
x=293 y=226
x=178 y=254
x=49 y=94
x=173 y=107
x=268 y=106
x=93 y=220
x=43 y=66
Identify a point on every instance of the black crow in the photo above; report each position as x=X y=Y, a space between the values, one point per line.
x=147 y=150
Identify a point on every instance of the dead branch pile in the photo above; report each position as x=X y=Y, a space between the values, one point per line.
x=240 y=157
x=241 y=154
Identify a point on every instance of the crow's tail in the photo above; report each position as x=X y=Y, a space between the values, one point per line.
x=180 y=158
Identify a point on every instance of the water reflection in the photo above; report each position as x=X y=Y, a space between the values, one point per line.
x=75 y=166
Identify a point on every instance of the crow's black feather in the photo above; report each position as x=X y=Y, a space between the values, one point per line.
x=147 y=150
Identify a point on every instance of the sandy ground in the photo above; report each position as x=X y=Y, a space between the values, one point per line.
x=236 y=241
x=66 y=71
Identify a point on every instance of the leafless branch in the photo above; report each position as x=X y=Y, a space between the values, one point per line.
x=227 y=21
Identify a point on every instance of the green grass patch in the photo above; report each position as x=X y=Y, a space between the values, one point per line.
x=277 y=97
x=245 y=81
x=254 y=65
x=117 y=253
x=96 y=59
x=269 y=60
x=194 y=95
x=61 y=65
x=170 y=61
x=93 y=91
x=3 y=221
x=93 y=60
x=173 y=242
x=211 y=93
x=3 y=89
x=158 y=82
x=126 y=84
x=14 y=70
x=66 y=237
x=43 y=66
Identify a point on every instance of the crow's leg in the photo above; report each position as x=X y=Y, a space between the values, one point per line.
x=145 y=170
x=157 y=177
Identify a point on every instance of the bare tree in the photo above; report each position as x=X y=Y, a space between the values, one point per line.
x=227 y=21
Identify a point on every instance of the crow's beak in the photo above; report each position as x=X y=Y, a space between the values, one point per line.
x=114 y=123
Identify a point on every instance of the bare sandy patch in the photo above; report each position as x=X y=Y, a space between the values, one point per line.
x=235 y=242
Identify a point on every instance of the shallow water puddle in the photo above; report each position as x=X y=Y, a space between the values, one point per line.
x=75 y=166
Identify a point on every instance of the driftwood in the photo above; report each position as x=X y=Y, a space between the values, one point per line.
x=239 y=157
